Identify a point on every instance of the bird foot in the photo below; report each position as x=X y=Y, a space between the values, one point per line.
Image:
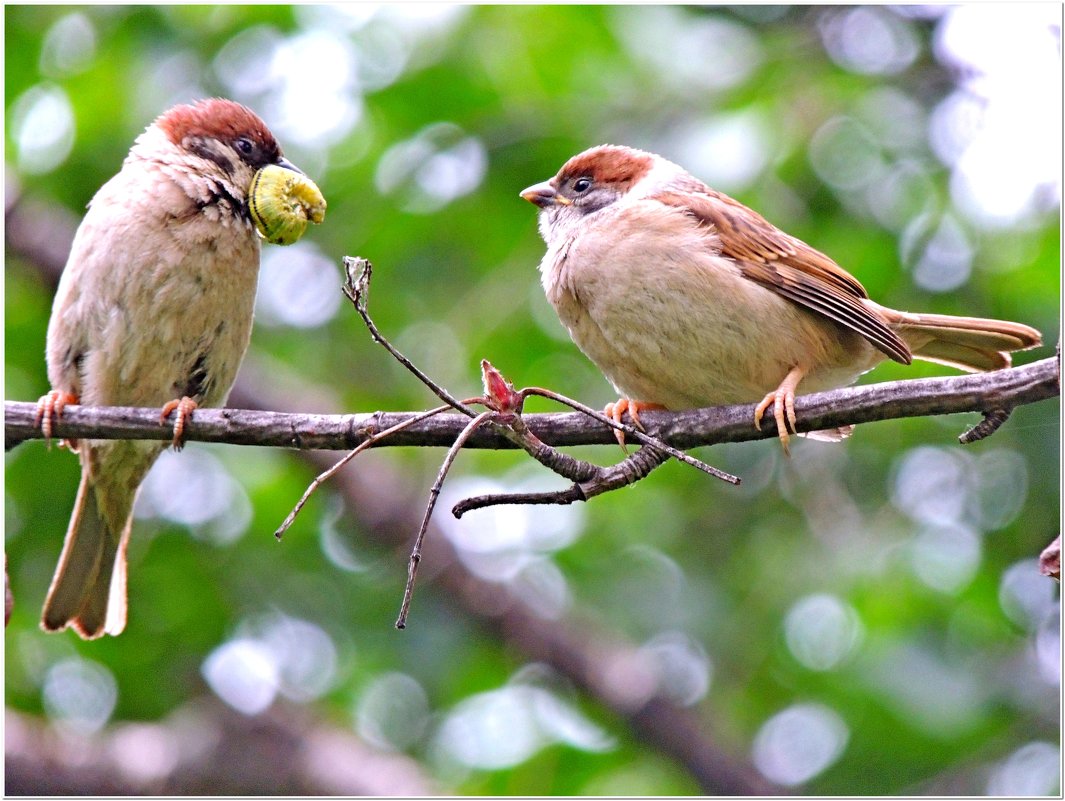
x=184 y=408
x=782 y=399
x=49 y=410
x=615 y=411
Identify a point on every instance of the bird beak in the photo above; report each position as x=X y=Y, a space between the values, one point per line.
x=288 y=165
x=544 y=195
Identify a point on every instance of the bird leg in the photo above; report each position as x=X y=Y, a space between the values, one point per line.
x=184 y=407
x=783 y=399
x=615 y=411
x=50 y=409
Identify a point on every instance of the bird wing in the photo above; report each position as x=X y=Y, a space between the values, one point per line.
x=788 y=266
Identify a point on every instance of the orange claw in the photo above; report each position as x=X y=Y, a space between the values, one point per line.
x=615 y=411
x=49 y=409
x=185 y=407
x=783 y=399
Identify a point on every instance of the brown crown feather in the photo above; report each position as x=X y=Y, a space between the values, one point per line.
x=609 y=164
x=221 y=119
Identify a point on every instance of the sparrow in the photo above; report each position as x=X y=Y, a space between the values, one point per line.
x=684 y=297
x=154 y=308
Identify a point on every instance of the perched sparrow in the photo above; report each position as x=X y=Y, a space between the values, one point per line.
x=685 y=298
x=154 y=308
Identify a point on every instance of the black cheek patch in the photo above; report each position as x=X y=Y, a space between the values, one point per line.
x=207 y=149
x=218 y=195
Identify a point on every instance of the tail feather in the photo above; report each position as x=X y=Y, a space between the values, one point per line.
x=963 y=357
x=115 y=619
x=103 y=610
x=81 y=592
x=968 y=343
x=975 y=331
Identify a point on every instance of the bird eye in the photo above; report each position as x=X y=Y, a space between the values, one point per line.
x=245 y=146
x=582 y=184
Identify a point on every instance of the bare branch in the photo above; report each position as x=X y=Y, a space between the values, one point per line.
x=977 y=392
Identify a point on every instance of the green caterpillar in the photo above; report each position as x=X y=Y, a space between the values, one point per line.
x=282 y=202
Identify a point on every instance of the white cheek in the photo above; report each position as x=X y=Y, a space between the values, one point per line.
x=544 y=223
x=559 y=223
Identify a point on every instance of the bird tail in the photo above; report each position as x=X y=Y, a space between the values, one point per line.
x=88 y=592
x=968 y=343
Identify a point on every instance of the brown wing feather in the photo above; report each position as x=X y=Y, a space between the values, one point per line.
x=789 y=267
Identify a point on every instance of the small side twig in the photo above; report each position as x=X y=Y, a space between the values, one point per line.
x=562 y=497
x=434 y=493
x=605 y=479
x=993 y=419
x=325 y=476
x=358 y=272
x=504 y=411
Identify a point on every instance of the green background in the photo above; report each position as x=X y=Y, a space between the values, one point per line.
x=882 y=593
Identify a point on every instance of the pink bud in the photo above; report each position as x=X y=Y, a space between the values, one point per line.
x=499 y=394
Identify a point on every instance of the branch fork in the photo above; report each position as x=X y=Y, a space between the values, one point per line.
x=503 y=411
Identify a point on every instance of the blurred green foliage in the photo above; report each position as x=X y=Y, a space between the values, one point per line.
x=939 y=678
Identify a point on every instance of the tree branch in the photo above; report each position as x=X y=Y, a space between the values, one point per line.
x=979 y=392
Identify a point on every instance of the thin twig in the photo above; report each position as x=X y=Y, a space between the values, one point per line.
x=358 y=272
x=434 y=493
x=562 y=497
x=605 y=479
x=325 y=476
